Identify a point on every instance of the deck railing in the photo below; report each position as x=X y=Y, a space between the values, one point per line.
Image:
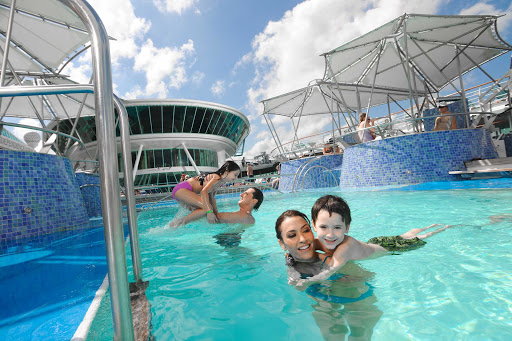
x=397 y=123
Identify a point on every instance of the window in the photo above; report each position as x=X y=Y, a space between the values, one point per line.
x=144 y=119
x=156 y=119
x=167 y=113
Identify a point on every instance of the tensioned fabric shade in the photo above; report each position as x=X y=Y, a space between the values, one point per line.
x=327 y=97
x=61 y=107
x=429 y=42
x=44 y=34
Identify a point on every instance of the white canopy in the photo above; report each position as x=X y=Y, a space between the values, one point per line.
x=433 y=45
x=44 y=34
x=322 y=97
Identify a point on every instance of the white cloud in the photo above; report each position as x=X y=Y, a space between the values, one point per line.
x=218 y=88
x=135 y=92
x=197 y=77
x=164 y=67
x=123 y=25
x=80 y=73
x=484 y=7
x=286 y=54
x=246 y=59
x=175 y=6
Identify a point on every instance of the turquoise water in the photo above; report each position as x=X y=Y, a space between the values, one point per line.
x=458 y=286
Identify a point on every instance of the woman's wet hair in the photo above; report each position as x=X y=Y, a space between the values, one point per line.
x=332 y=203
x=288 y=214
x=258 y=195
x=362 y=116
x=228 y=166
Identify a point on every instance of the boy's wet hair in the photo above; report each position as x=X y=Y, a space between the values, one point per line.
x=288 y=214
x=332 y=203
x=258 y=195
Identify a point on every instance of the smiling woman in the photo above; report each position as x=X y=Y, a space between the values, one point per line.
x=295 y=236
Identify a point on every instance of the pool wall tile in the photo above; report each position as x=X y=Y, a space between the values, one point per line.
x=412 y=159
x=89 y=187
x=401 y=160
x=508 y=144
x=39 y=200
x=323 y=171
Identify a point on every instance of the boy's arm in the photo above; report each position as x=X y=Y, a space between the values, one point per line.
x=354 y=249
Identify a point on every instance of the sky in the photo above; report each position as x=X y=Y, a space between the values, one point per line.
x=239 y=52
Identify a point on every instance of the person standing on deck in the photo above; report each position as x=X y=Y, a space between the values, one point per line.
x=250 y=171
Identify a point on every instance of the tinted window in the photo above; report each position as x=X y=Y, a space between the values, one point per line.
x=168 y=118
x=156 y=119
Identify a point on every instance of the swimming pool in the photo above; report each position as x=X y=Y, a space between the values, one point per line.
x=458 y=286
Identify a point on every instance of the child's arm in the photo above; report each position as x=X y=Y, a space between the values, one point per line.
x=205 y=196
x=214 y=202
x=353 y=249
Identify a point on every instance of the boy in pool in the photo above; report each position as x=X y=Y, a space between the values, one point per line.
x=331 y=221
x=198 y=193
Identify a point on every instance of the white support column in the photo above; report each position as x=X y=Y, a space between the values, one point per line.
x=221 y=157
x=137 y=160
x=191 y=159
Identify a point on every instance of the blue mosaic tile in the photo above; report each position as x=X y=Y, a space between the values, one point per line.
x=402 y=160
x=39 y=199
x=91 y=194
x=312 y=176
x=412 y=159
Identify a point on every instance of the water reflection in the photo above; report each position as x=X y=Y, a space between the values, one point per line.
x=355 y=320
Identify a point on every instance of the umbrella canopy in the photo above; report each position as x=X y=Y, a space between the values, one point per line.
x=44 y=33
x=322 y=97
x=419 y=52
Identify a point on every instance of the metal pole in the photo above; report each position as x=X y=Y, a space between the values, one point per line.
x=77 y=116
x=272 y=133
x=107 y=151
x=7 y=41
x=129 y=189
x=137 y=160
x=190 y=158
x=462 y=89
x=408 y=66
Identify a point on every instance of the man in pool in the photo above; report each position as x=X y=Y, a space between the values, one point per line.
x=250 y=200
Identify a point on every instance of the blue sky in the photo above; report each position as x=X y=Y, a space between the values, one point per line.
x=238 y=52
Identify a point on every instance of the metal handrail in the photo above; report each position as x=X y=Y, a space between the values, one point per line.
x=298 y=174
x=89 y=185
x=107 y=157
x=129 y=188
x=382 y=127
x=319 y=166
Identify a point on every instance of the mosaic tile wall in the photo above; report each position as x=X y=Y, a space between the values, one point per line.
x=39 y=200
x=91 y=193
x=508 y=144
x=315 y=178
x=412 y=159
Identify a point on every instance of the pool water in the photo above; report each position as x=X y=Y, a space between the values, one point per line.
x=458 y=286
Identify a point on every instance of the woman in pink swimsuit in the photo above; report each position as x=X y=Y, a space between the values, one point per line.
x=199 y=192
